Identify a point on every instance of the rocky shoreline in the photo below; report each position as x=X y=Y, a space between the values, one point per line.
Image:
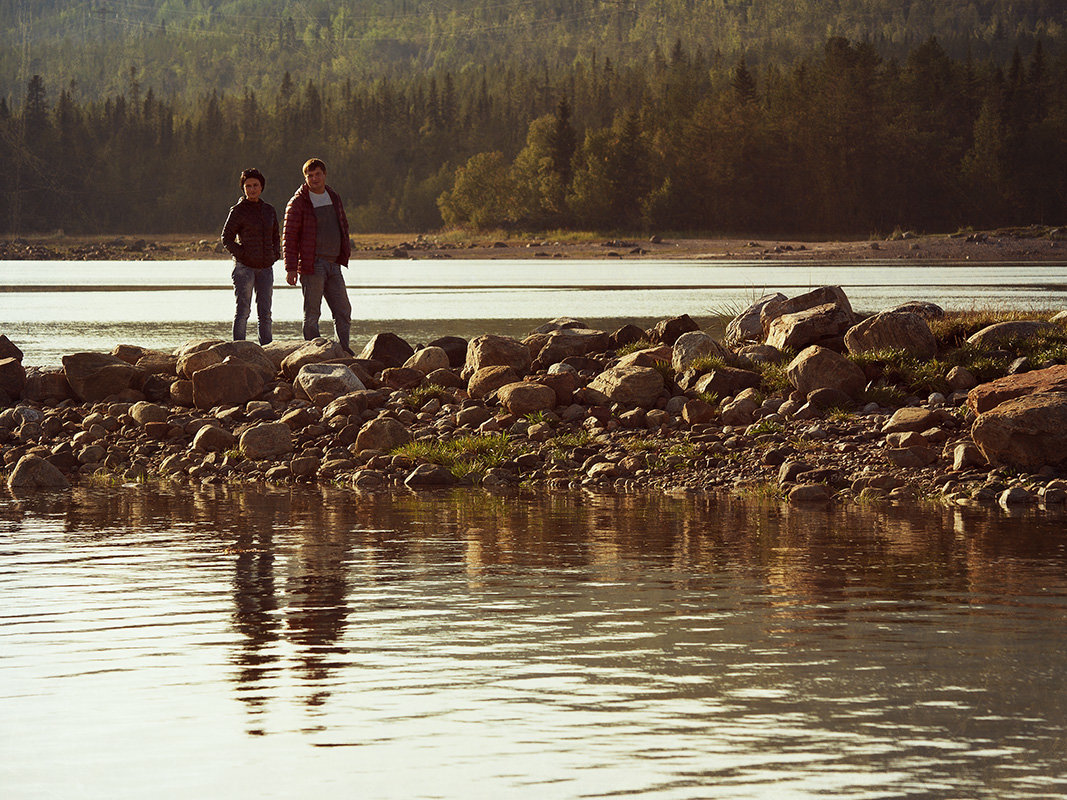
x=1034 y=243
x=802 y=400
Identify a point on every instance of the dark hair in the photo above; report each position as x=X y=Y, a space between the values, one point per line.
x=252 y=172
x=314 y=163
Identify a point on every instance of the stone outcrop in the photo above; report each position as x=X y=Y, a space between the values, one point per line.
x=268 y=440
x=382 y=434
x=230 y=382
x=667 y=331
x=820 y=325
x=824 y=295
x=487 y=380
x=550 y=348
x=497 y=351
x=630 y=386
x=895 y=330
x=322 y=383
x=748 y=325
x=695 y=345
x=34 y=472
x=388 y=349
x=314 y=351
x=526 y=397
x=428 y=359
x=1006 y=332
x=97 y=376
x=1028 y=432
x=818 y=367
x=987 y=396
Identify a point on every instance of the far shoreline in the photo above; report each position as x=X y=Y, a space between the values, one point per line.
x=1033 y=244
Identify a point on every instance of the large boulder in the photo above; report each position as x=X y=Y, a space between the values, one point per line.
x=525 y=397
x=648 y=357
x=34 y=472
x=918 y=420
x=824 y=295
x=49 y=387
x=821 y=368
x=388 y=349
x=266 y=441
x=727 y=381
x=145 y=412
x=1025 y=433
x=566 y=342
x=667 y=331
x=9 y=349
x=322 y=383
x=812 y=326
x=987 y=396
x=748 y=326
x=488 y=379
x=279 y=349
x=213 y=439
x=456 y=348
x=97 y=376
x=314 y=351
x=232 y=382
x=492 y=350
x=251 y=353
x=428 y=359
x=382 y=434
x=12 y=379
x=1004 y=332
x=892 y=331
x=155 y=362
x=695 y=345
x=559 y=324
x=630 y=386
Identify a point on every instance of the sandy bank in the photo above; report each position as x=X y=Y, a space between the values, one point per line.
x=1030 y=244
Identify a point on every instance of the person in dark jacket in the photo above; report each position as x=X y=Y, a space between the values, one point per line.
x=316 y=246
x=251 y=236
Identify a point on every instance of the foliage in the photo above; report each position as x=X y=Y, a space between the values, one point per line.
x=461 y=456
x=745 y=120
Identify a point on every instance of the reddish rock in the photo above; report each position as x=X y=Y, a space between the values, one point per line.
x=988 y=396
x=1027 y=432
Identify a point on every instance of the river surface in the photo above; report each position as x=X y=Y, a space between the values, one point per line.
x=51 y=308
x=276 y=643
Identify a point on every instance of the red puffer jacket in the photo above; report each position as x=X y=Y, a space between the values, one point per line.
x=298 y=232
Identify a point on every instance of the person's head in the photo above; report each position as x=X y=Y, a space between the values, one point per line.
x=252 y=183
x=315 y=175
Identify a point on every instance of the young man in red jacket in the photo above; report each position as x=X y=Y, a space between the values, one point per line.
x=315 y=245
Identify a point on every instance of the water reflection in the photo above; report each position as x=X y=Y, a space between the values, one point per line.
x=562 y=643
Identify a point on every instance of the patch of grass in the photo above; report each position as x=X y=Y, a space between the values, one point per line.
x=461 y=456
x=956 y=327
x=708 y=363
x=765 y=426
x=773 y=378
x=885 y=396
x=635 y=347
x=836 y=414
x=665 y=369
x=764 y=490
x=421 y=395
x=535 y=417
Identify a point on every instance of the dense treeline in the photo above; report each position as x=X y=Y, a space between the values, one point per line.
x=843 y=140
x=187 y=48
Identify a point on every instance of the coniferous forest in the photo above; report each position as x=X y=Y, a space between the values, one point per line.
x=712 y=116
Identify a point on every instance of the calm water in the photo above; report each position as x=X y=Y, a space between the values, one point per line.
x=53 y=308
x=261 y=643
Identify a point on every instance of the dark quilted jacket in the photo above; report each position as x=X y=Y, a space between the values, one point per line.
x=298 y=234
x=251 y=234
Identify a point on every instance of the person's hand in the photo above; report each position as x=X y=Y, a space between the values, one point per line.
x=290 y=278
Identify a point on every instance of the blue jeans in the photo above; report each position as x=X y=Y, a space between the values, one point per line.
x=245 y=279
x=328 y=283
